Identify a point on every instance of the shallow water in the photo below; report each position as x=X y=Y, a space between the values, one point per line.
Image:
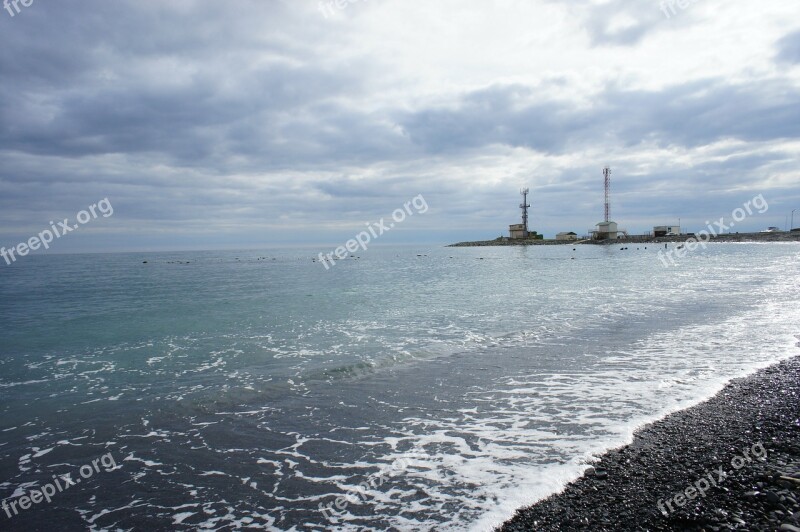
x=434 y=387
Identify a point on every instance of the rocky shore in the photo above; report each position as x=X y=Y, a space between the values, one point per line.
x=637 y=239
x=730 y=463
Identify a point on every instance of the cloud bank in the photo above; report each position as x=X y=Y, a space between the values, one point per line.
x=261 y=123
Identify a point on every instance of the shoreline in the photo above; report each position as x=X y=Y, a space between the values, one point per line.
x=734 y=237
x=655 y=482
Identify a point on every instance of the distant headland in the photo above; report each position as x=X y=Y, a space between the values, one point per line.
x=793 y=236
x=608 y=232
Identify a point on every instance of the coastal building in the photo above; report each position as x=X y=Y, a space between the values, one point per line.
x=567 y=236
x=664 y=230
x=605 y=231
x=517 y=231
x=520 y=231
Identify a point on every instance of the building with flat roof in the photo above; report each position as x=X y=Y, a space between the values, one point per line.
x=664 y=230
x=606 y=231
x=517 y=231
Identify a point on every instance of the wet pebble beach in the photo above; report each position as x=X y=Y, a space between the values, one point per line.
x=730 y=463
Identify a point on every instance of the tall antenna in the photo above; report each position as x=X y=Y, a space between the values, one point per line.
x=607 y=178
x=524 y=206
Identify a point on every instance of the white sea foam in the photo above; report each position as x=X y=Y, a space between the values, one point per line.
x=489 y=397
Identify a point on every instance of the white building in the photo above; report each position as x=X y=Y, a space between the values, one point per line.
x=567 y=236
x=664 y=230
x=606 y=230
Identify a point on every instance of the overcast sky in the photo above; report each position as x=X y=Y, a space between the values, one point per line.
x=256 y=123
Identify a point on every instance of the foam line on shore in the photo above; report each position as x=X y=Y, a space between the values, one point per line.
x=649 y=466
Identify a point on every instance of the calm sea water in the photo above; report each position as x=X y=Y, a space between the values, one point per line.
x=412 y=389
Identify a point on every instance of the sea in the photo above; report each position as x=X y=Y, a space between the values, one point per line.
x=405 y=388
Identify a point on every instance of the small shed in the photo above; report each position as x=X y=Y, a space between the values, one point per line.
x=517 y=231
x=664 y=230
x=606 y=230
x=568 y=235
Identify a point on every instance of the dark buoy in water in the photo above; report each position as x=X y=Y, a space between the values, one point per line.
x=144 y=262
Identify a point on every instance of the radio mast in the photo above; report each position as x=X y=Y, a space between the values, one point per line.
x=524 y=206
x=607 y=176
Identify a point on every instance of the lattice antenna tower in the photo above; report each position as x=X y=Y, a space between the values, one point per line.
x=524 y=206
x=607 y=179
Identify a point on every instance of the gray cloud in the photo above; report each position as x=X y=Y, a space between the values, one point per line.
x=789 y=48
x=690 y=115
x=257 y=120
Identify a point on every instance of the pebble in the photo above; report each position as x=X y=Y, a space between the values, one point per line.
x=669 y=456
